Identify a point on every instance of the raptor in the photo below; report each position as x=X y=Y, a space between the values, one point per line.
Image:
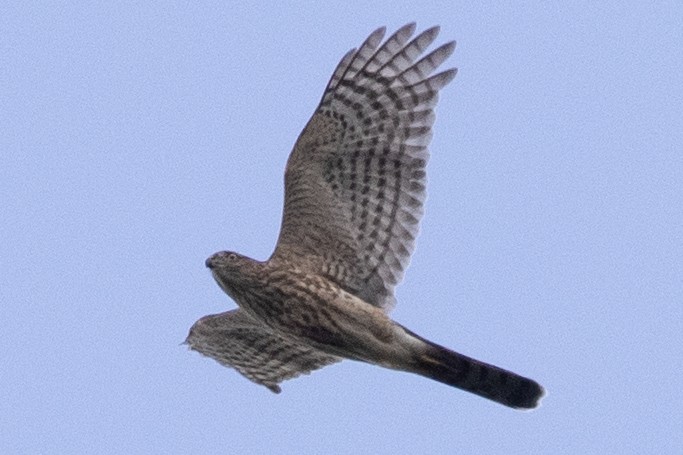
x=354 y=195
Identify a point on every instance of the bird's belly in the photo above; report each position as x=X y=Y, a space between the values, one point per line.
x=333 y=321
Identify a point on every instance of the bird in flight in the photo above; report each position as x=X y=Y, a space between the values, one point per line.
x=354 y=193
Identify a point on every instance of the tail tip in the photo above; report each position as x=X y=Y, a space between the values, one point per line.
x=528 y=397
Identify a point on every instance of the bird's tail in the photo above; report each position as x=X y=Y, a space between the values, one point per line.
x=488 y=381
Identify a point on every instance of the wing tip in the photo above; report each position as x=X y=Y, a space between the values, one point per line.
x=276 y=389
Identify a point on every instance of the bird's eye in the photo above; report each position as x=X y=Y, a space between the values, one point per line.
x=232 y=257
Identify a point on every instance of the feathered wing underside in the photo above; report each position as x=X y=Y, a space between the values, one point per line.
x=236 y=340
x=355 y=181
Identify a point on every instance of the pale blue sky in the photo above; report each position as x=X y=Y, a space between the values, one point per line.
x=137 y=140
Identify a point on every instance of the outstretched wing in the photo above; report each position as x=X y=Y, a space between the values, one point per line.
x=355 y=181
x=236 y=340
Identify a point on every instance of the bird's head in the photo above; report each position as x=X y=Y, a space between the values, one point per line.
x=232 y=271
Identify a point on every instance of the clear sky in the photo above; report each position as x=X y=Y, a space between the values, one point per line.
x=136 y=139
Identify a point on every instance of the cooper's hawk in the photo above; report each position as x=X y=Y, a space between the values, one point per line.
x=354 y=192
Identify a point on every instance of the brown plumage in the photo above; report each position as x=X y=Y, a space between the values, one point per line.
x=354 y=193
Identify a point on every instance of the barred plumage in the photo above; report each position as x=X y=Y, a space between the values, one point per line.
x=354 y=193
x=239 y=341
x=355 y=181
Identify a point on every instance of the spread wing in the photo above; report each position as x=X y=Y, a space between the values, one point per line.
x=236 y=340
x=355 y=181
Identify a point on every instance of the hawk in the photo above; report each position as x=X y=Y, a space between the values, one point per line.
x=354 y=193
